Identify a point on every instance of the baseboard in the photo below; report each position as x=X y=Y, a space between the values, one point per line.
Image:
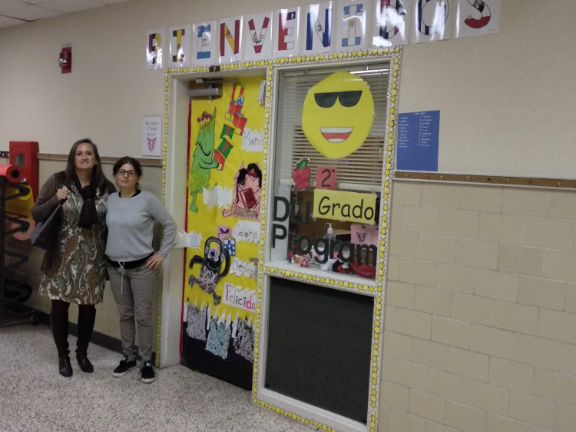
x=99 y=339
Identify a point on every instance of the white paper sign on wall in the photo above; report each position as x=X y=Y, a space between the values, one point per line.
x=152 y=136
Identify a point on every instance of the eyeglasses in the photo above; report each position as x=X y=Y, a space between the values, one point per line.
x=123 y=173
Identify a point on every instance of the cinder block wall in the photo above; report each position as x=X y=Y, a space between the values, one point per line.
x=480 y=326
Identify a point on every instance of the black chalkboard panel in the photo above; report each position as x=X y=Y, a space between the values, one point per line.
x=319 y=342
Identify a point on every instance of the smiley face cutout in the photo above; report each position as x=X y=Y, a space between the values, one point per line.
x=337 y=114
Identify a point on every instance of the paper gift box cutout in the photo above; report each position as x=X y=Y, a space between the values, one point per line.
x=230 y=246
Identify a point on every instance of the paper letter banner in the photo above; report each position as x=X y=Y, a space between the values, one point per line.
x=286 y=30
x=180 y=51
x=230 y=38
x=389 y=28
x=320 y=28
x=224 y=181
x=318 y=25
x=477 y=17
x=344 y=206
x=204 y=46
x=154 y=45
x=351 y=25
x=257 y=42
x=431 y=20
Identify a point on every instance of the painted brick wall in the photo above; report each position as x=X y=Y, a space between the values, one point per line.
x=480 y=327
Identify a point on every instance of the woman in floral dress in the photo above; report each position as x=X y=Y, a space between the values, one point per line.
x=74 y=269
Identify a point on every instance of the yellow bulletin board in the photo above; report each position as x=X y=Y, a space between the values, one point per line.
x=225 y=166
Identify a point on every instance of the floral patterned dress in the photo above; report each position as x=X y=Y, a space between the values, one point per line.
x=81 y=275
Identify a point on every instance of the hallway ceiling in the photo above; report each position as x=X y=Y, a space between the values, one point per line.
x=16 y=12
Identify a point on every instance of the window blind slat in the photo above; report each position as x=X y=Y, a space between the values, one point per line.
x=363 y=167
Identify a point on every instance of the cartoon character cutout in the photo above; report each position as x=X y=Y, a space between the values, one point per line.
x=203 y=158
x=337 y=115
x=247 y=190
x=211 y=271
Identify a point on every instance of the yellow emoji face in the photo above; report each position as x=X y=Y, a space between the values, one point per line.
x=338 y=114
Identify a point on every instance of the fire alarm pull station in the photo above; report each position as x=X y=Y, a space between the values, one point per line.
x=65 y=60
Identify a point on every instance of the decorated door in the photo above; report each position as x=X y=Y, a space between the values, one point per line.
x=225 y=163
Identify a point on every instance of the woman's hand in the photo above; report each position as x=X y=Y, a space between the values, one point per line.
x=154 y=262
x=62 y=193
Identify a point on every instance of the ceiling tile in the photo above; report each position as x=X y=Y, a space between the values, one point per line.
x=10 y=5
x=9 y=22
x=33 y=13
x=68 y=6
x=33 y=10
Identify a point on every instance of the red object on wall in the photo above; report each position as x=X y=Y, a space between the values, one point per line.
x=25 y=155
x=65 y=60
x=12 y=173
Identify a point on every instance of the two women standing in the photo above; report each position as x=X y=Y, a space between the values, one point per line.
x=75 y=269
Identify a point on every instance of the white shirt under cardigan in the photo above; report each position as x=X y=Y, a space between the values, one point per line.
x=130 y=224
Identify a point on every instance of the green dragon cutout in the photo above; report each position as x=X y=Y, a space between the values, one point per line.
x=202 y=159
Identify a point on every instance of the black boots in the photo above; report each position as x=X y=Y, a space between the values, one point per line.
x=59 y=324
x=64 y=366
x=83 y=362
x=86 y=318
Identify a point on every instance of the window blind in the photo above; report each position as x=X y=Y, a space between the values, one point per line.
x=362 y=169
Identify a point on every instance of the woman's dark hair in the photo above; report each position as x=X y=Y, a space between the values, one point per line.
x=250 y=169
x=128 y=160
x=98 y=178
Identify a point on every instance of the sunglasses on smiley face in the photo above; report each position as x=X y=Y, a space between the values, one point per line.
x=346 y=98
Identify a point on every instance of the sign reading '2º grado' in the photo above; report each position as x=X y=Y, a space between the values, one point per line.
x=344 y=206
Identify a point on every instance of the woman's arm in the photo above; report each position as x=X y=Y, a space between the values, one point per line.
x=168 y=230
x=160 y=215
x=47 y=200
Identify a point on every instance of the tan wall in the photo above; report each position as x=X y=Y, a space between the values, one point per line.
x=481 y=302
x=480 y=327
x=506 y=99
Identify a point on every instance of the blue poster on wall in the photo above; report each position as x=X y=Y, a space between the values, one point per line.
x=417 y=146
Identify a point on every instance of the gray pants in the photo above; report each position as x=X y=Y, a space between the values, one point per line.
x=134 y=292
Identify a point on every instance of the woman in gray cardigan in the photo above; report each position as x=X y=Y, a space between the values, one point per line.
x=74 y=269
x=132 y=262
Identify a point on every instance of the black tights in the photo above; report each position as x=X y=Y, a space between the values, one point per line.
x=59 y=324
